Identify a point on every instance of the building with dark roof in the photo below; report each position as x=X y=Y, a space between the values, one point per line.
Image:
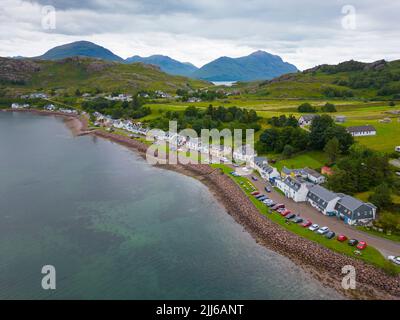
x=354 y=211
x=322 y=199
x=361 y=131
x=294 y=188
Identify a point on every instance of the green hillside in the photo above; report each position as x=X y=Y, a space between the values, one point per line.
x=88 y=74
x=351 y=79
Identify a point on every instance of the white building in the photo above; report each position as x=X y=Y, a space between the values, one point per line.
x=362 y=131
x=244 y=153
x=264 y=169
x=322 y=199
x=305 y=120
x=293 y=188
x=313 y=176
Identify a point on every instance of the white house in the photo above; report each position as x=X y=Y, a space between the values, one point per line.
x=313 y=176
x=264 y=169
x=293 y=188
x=305 y=120
x=361 y=131
x=322 y=199
x=244 y=153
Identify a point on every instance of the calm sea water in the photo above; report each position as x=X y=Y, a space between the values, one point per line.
x=116 y=228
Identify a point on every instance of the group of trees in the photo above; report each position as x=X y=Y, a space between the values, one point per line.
x=212 y=117
x=283 y=121
x=324 y=135
x=308 y=108
x=362 y=170
x=205 y=95
x=134 y=109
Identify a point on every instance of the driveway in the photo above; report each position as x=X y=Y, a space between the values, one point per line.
x=385 y=246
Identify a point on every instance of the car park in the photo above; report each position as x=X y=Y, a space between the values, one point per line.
x=341 y=238
x=323 y=230
x=314 y=227
x=394 y=259
x=361 y=245
x=330 y=235
x=297 y=219
x=306 y=224
x=353 y=242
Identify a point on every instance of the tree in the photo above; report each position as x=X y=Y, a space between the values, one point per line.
x=288 y=151
x=306 y=107
x=382 y=196
x=328 y=107
x=332 y=149
x=78 y=93
x=319 y=125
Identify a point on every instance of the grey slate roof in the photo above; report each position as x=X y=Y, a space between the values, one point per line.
x=322 y=193
x=352 y=203
x=312 y=172
x=361 y=128
x=308 y=117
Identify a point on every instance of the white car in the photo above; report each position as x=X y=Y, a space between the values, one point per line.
x=323 y=230
x=394 y=259
x=314 y=227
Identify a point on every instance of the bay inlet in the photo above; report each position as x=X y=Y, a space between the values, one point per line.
x=115 y=227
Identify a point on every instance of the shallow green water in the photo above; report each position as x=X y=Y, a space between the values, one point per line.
x=117 y=228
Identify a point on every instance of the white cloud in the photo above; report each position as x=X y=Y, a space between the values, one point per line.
x=305 y=33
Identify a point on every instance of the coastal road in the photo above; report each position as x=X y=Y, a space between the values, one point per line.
x=385 y=246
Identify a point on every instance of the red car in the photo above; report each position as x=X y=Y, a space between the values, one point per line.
x=278 y=206
x=361 y=245
x=341 y=238
x=255 y=193
x=285 y=212
x=306 y=224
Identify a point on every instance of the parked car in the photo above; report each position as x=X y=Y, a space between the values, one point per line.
x=272 y=204
x=341 y=238
x=297 y=219
x=254 y=178
x=262 y=198
x=353 y=242
x=330 y=235
x=285 y=212
x=268 y=189
x=259 y=196
x=290 y=216
x=394 y=259
x=306 y=224
x=255 y=193
x=278 y=206
x=361 y=245
x=323 y=230
x=314 y=227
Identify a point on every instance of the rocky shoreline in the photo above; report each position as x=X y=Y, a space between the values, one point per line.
x=324 y=264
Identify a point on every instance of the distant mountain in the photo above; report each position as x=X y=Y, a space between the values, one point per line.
x=259 y=65
x=90 y=75
x=166 y=64
x=80 y=48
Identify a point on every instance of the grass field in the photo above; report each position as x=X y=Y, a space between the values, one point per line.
x=370 y=254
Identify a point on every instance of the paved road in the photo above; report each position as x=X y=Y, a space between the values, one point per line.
x=385 y=246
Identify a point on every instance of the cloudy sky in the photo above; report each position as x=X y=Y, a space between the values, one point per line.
x=303 y=32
